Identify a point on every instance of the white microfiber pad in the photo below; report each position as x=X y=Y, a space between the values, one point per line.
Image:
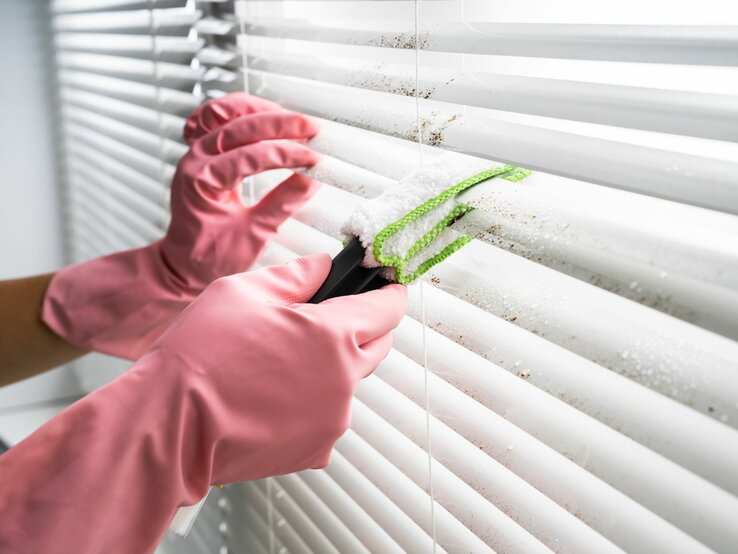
x=405 y=229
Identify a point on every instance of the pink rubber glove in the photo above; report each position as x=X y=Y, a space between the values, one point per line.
x=120 y=304
x=247 y=383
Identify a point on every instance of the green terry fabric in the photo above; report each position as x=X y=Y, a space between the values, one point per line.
x=400 y=263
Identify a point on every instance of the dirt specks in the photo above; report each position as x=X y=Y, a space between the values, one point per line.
x=432 y=129
x=402 y=41
x=375 y=77
x=435 y=138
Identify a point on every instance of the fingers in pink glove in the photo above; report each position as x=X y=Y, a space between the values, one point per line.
x=364 y=320
x=280 y=203
x=375 y=351
x=369 y=315
x=252 y=128
x=214 y=113
x=227 y=170
x=292 y=283
x=120 y=304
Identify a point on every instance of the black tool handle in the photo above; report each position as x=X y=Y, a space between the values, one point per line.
x=347 y=276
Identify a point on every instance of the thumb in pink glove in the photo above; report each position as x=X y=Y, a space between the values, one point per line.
x=120 y=304
x=248 y=382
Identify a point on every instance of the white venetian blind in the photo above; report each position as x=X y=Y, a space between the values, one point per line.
x=575 y=387
x=567 y=382
x=126 y=84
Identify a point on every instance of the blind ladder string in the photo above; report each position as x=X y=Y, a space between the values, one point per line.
x=247 y=89
x=157 y=99
x=421 y=285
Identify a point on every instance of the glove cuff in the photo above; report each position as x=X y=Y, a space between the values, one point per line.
x=118 y=304
x=107 y=474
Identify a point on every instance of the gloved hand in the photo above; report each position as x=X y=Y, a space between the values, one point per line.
x=246 y=383
x=120 y=304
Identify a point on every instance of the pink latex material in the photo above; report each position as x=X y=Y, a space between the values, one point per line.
x=120 y=304
x=246 y=383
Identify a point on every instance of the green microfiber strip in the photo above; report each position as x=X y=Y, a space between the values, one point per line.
x=507 y=172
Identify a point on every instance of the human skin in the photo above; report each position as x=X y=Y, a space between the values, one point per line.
x=27 y=346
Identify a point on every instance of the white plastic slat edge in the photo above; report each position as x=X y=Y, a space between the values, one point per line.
x=695 y=114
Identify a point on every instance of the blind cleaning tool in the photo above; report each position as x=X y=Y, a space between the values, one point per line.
x=403 y=232
x=397 y=237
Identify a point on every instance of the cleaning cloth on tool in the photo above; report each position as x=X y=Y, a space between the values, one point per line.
x=405 y=229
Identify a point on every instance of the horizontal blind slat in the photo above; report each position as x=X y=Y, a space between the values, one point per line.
x=680 y=44
x=139 y=181
x=168 y=100
x=169 y=49
x=62 y=6
x=117 y=237
x=169 y=151
x=120 y=214
x=140 y=161
x=689 y=113
x=143 y=205
x=168 y=125
x=168 y=75
x=645 y=170
x=159 y=22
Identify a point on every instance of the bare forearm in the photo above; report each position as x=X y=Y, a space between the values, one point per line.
x=27 y=345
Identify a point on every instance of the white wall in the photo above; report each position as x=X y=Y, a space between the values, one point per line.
x=30 y=209
x=30 y=225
